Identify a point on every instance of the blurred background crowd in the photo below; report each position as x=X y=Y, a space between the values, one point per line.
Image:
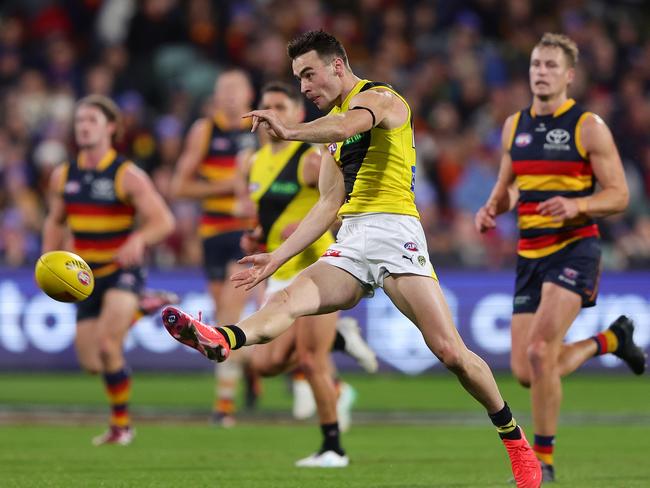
x=462 y=65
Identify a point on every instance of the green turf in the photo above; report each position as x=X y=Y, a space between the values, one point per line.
x=262 y=456
x=602 y=440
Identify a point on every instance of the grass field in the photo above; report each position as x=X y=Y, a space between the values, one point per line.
x=409 y=432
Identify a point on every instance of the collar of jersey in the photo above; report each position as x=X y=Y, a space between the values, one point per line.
x=568 y=103
x=104 y=163
x=357 y=88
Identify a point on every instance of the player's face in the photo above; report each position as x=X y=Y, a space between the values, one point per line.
x=289 y=111
x=233 y=92
x=91 y=127
x=550 y=73
x=318 y=79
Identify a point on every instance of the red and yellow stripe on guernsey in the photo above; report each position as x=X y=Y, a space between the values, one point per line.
x=551 y=176
x=99 y=230
x=218 y=212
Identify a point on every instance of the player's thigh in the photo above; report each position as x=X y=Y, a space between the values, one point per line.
x=420 y=298
x=277 y=356
x=557 y=310
x=117 y=313
x=321 y=288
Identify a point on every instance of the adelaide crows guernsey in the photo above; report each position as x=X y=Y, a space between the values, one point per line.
x=282 y=199
x=549 y=160
x=98 y=212
x=378 y=165
x=219 y=163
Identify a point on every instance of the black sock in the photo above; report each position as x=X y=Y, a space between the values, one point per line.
x=339 y=342
x=234 y=336
x=331 y=441
x=505 y=423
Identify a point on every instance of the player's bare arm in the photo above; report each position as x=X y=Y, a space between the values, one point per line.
x=185 y=183
x=381 y=108
x=504 y=194
x=606 y=163
x=314 y=225
x=54 y=227
x=156 y=220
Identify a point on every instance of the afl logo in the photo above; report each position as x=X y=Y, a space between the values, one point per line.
x=523 y=139
x=411 y=246
x=332 y=148
x=83 y=277
x=558 y=136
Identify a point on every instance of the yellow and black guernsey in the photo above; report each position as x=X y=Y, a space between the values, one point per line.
x=378 y=165
x=98 y=212
x=549 y=160
x=220 y=150
x=283 y=198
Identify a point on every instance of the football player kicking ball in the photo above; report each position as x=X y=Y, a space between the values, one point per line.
x=366 y=177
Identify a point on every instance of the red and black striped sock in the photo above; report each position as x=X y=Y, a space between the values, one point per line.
x=118 y=390
x=543 y=448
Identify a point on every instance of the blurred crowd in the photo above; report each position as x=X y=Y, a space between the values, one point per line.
x=462 y=65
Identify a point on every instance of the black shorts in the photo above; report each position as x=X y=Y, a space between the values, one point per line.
x=218 y=252
x=575 y=267
x=131 y=279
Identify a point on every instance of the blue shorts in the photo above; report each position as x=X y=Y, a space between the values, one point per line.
x=218 y=252
x=130 y=279
x=575 y=267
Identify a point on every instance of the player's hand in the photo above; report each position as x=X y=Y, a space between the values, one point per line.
x=131 y=253
x=559 y=208
x=264 y=265
x=244 y=208
x=485 y=218
x=269 y=120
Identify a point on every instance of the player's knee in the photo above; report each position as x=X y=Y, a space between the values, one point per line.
x=110 y=347
x=540 y=354
x=306 y=362
x=451 y=356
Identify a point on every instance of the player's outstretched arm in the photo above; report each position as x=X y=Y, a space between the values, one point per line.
x=185 y=182
x=54 y=227
x=315 y=224
x=504 y=195
x=334 y=127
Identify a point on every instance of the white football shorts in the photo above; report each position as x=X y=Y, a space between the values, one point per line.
x=374 y=245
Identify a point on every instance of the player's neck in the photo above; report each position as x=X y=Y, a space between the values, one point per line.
x=92 y=156
x=229 y=119
x=550 y=105
x=349 y=81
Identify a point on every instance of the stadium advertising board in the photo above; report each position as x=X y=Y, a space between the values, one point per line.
x=37 y=333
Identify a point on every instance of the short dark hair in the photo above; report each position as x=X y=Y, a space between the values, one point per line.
x=281 y=87
x=568 y=46
x=325 y=45
x=109 y=108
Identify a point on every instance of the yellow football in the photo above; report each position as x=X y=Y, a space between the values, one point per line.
x=64 y=276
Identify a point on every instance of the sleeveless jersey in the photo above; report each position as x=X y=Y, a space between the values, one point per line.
x=283 y=198
x=548 y=160
x=100 y=217
x=220 y=162
x=378 y=165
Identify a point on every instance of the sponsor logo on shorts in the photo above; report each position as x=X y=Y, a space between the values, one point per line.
x=411 y=246
x=569 y=276
x=332 y=253
x=83 y=277
x=410 y=258
x=127 y=279
x=523 y=139
x=422 y=260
